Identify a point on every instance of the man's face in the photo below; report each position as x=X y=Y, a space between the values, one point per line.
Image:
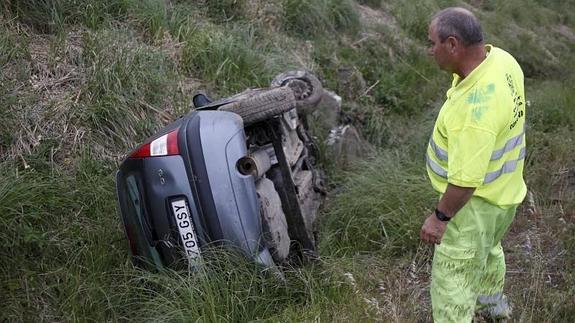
x=439 y=50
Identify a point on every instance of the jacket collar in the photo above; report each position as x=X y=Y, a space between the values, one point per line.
x=459 y=86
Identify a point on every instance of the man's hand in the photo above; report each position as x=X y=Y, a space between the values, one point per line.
x=432 y=230
x=450 y=203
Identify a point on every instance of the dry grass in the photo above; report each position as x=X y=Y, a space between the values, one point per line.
x=47 y=93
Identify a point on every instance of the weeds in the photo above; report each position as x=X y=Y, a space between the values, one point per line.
x=376 y=211
x=226 y=10
x=310 y=19
x=110 y=72
x=127 y=88
x=229 y=59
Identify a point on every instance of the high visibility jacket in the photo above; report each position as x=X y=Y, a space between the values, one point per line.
x=479 y=135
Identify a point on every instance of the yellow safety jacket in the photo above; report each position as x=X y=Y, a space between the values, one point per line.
x=479 y=135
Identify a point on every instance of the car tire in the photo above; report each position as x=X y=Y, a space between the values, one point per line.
x=258 y=105
x=306 y=87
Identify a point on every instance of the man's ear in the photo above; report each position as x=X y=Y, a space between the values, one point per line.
x=452 y=44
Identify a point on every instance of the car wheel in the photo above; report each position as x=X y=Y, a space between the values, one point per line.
x=306 y=87
x=258 y=105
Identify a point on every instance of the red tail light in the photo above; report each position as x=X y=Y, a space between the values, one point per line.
x=163 y=146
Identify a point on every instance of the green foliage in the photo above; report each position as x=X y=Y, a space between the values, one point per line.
x=231 y=59
x=13 y=52
x=12 y=44
x=551 y=105
x=410 y=84
x=65 y=256
x=61 y=236
x=152 y=15
x=402 y=81
x=127 y=83
x=323 y=18
x=225 y=10
x=524 y=12
x=49 y=16
x=415 y=19
x=381 y=208
x=229 y=288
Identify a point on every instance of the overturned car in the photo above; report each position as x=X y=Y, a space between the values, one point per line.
x=239 y=172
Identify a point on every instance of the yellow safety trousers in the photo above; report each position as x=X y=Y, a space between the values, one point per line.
x=469 y=261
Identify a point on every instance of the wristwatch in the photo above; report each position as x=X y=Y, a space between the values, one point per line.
x=441 y=216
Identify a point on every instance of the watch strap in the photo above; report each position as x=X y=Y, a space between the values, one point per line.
x=441 y=216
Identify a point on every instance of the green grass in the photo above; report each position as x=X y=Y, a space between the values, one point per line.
x=129 y=88
x=231 y=59
x=133 y=65
x=228 y=288
x=50 y=16
x=226 y=10
x=62 y=236
x=323 y=18
x=381 y=206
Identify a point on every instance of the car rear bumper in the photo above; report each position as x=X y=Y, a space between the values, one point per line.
x=222 y=203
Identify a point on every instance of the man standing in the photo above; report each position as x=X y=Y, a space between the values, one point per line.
x=475 y=160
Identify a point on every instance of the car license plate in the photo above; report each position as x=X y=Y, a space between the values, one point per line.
x=186 y=229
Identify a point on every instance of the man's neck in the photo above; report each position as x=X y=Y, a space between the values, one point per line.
x=473 y=57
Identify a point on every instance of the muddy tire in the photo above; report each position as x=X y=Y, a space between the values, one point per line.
x=258 y=105
x=306 y=87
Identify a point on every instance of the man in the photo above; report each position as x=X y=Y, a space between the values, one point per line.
x=475 y=160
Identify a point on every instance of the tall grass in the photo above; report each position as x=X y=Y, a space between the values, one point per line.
x=381 y=206
x=129 y=87
x=231 y=59
x=50 y=16
x=225 y=10
x=61 y=236
x=65 y=257
x=310 y=19
x=229 y=288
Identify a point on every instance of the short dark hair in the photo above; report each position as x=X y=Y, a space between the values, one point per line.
x=460 y=23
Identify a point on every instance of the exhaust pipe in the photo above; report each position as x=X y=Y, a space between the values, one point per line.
x=257 y=163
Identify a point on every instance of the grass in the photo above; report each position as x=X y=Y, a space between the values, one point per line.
x=63 y=237
x=231 y=59
x=83 y=82
x=127 y=88
x=323 y=18
x=386 y=219
x=230 y=289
